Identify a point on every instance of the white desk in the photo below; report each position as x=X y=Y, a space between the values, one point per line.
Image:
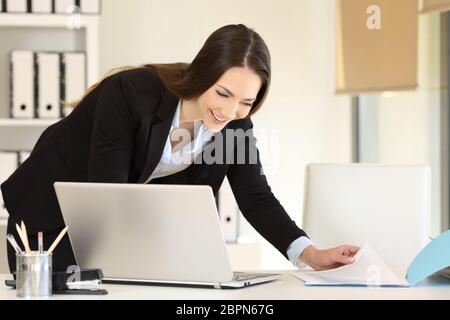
x=289 y=288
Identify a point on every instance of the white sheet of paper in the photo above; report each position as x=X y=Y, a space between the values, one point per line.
x=368 y=269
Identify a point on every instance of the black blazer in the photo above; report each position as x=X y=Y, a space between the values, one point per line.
x=117 y=135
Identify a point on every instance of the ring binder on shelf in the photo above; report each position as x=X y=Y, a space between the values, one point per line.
x=17 y=6
x=90 y=6
x=73 y=77
x=22 y=84
x=228 y=212
x=65 y=6
x=41 y=6
x=23 y=155
x=47 y=77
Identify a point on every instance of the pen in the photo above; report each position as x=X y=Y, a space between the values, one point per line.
x=40 y=242
x=14 y=244
x=25 y=236
x=57 y=240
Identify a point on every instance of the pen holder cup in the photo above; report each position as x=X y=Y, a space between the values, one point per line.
x=34 y=275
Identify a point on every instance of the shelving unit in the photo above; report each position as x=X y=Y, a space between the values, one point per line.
x=40 y=32
x=88 y=26
x=43 y=32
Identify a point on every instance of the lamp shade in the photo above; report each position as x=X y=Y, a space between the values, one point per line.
x=376 y=45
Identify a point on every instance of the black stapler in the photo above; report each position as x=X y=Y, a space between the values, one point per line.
x=60 y=281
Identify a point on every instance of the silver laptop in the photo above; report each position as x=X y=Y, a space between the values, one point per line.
x=150 y=234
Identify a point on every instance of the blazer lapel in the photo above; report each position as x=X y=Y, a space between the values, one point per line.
x=159 y=133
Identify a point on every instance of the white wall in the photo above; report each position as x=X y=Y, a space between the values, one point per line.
x=405 y=127
x=312 y=124
x=4 y=268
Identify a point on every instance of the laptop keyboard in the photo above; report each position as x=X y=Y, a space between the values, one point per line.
x=244 y=276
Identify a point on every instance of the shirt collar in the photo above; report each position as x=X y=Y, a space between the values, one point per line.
x=199 y=126
x=176 y=117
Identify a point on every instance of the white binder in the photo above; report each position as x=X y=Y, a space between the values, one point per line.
x=228 y=212
x=74 y=77
x=23 y=155
x=48 y=77
x=64 y=6
x=16 y=6
x=22 y=84
x=41 y=6
x=90 y=6
x=8 y=164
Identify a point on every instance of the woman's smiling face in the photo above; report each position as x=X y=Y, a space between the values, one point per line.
x=230 y=98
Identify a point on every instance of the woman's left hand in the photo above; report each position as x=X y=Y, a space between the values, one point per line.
x=329 y=258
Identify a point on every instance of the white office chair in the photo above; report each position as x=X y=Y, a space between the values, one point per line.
x=386 y=206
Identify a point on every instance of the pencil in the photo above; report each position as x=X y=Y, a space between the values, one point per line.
x=40 y=242
x=57 y=240
x=19 y=231
x=25 y=236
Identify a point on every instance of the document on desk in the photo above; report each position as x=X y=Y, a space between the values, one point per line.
x=368 y=269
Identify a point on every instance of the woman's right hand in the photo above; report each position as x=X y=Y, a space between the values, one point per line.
x=329 y=258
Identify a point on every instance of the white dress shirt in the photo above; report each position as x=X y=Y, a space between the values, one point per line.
x=173 y=162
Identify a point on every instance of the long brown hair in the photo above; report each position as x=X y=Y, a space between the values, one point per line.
x=233 y=45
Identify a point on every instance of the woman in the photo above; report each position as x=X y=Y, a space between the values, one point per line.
x=131 y=128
